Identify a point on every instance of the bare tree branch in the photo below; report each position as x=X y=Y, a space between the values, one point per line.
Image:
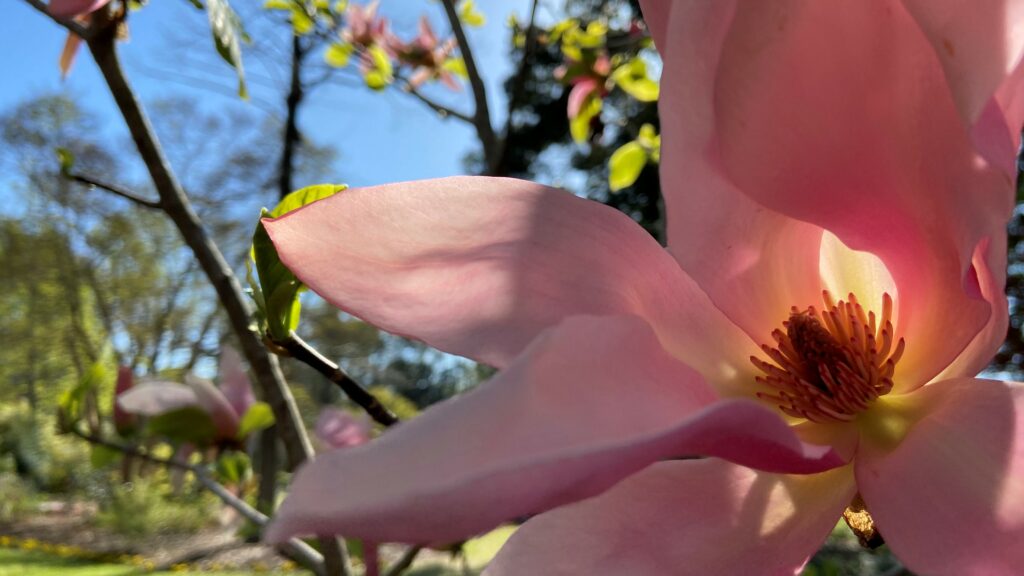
x=115 y=190
x=297 y=348
x=294 y=548
x=481 y=115
x=518 y=84
x=441 y=109
x=404 y=562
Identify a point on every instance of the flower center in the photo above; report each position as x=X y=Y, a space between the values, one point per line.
x=832 y=365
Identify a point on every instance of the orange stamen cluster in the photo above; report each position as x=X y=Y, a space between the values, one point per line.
x=833 y=365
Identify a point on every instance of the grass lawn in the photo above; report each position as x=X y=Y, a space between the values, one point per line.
x=34 y=563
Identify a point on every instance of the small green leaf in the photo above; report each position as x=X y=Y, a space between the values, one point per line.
x=456 y=65
x=381 y=73
x=632 y=78
x=651 y=141
x=259 y=416
x=469 y=15
x=190 y=424
x=196 y=3
x=481 y=550
x=304 y=196
x=278 y=5
x=579 y=126
x=338 y=54
x=233 y=468
x=625 y=165
x=228 y=35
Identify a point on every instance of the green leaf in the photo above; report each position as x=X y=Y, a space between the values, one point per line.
x=651 y=141
x=625 y=165
x=278 y=288
x=259 y=416
x=381 y=74
x=338 y=54
x=233 y=467
x=196 y=3
x=579 y=126
x=304 y=196
x=278 y=5
x=190 y=424
x=469 y=15
x=632 y=78
x=456 y=65
x=228 y=35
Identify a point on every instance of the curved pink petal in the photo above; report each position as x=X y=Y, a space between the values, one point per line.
x=155 y=398
x=480 y=266
x=949 y=499
x=753 y=262
x=213 y=402
x=864 y=142
x=589 y=403
x=72 y=8
x=978 y=42
x=581 y=90
x=234 y=381
x=990 y=265
x=697 y=518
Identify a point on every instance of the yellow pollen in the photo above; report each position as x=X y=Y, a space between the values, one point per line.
x=832 y=365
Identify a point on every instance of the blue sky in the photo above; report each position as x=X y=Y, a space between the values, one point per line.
x=381 y=137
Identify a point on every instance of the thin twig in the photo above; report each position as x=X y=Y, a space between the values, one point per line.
x=441 y=109
x=519 y=83
x=294 y=548
x=71 y=25
x=115 y=190
x=404 y=562
x=299 y=349
x=481 y=115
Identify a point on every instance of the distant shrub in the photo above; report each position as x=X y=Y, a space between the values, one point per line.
x=18 y=500
x=146 y=507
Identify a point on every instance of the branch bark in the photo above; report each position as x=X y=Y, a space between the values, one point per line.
x=116 y=191
x=481 y=114
x=518 y=87
x=300 y=350
x=291 y=122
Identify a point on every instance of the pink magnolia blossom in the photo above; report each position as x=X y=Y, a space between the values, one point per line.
x=363 y=27
x=73 y=8
x=864 y=150
x=426 y=54
x=340 y=429
x=225 y=405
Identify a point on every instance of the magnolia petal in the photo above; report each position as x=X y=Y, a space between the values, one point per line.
x=213 y=402
x=234 y=381
x=72 y=8
x=866 y=143
x=67 y=55
x=156 y=398
x=656 y=14
x=706 y=517
x=591 y=402
x=949 y=499
x=581 y=90
x=978 y=43
x=480 y=266
x=337 y=428
x=990 y=266
x=754 y=263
